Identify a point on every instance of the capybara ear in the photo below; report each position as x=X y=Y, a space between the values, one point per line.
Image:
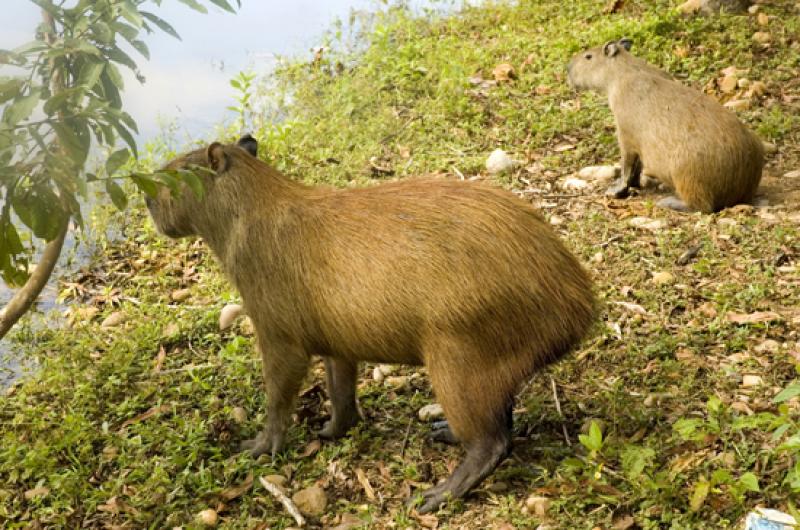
x=626 y=43
x=611 y=49
x=249 y=144
x=217 y=159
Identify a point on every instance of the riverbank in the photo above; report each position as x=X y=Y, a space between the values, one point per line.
x=135 y=422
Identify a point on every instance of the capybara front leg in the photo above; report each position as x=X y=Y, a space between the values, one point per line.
x=284 y=367
x=341 y=378
x=630 y=176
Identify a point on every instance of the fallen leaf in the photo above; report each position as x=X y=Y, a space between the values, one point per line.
x=237 y=491
x=311 y=448
x=623 y=523
x=33 y=493
x=364 y=481
x=160 y=358
x=504 y=72
x=145 y=415
x=428 y=520
x=752 y=318
x=634 y=308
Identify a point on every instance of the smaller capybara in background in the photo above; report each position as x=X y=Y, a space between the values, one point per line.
x=680 y=136
x=464 y=278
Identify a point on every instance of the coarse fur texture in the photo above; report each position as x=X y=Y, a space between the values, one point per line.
x=464 y=278
x=681 y=136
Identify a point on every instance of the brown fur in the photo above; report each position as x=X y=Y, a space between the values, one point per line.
x=461 y=277
x=684 y=138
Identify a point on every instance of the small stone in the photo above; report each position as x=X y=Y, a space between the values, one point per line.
x=499 y=162
x=228 y=315
x=598 y=257
x=663 y=278
x=574 y=184
x=504 y=72
x=538 y=505
x=556 y=220
x=239 y=415
x=181 y=295
x=396 y=382
x=762 y=19
x=431 y=412
x=749 y=381
x=37 y=492
x=311 y=501
x=792 y=174
x=208 y=518
x=728 y=84
x=744 y=82
x=753 y=9
x=762 y=37
x=377 y=374
x=599 y=172
x=770 y=148
x=689 y=7
x=646 y=223
x=114 y=319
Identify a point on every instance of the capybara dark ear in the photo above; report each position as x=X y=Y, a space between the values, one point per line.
x=249 y=144
x=217 y=159
x=610 y=49
x=626 y=43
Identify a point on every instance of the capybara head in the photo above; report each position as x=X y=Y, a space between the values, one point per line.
x=178 y=216
x=594 y=68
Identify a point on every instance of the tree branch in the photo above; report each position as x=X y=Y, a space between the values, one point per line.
x=23 y=299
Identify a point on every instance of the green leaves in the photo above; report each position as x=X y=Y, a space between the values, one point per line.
x=21 y=107
x=787 y=393
x=116 y=160
x=117 y=194
x=161 y=24
x=594 y=440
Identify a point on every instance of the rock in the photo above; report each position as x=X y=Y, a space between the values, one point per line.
x=114 y=319
x=728 y=84
x=311 y=501
x=753 y=9
x=377 y=374
x=770 y=148
x=239 y=415
x=654 y=225
x=663 y=278
x=500 y=162
x=431 y=412
x=349 y=521
x=762 y=37
x=538 y=505
x=597 y=257
x=689 y=7
x=792 y=174
x=396 y=382
x=749 y=381
x=228 y=315
x=207 y=518
x=709 y=7
x=599 y=173
x=574 y=184
x=762 y=19
x=744 y=83
x=37 y=492
x=556 y=220
x=180 y=295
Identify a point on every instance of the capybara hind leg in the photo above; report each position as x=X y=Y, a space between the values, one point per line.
x=674 y=203
x=482 y=458
x=284 y=367
x=341 y=378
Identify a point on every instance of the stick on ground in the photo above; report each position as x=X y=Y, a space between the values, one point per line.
x=286 y=501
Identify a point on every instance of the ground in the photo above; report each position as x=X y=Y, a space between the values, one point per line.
x=672 y=414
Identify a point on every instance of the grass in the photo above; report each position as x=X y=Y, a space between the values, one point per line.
x=683 y=436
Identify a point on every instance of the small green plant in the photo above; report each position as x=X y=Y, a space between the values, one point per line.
x=243 y=84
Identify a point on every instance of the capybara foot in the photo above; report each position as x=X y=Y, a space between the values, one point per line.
x=673 y=203
x=261 y=444
x=336 y=429
x=618 y=190
x=442 y=433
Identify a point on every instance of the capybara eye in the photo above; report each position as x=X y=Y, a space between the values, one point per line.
x=588 y=56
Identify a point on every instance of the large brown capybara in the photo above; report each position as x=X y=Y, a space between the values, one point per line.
x=672 y=132
x=463 y=278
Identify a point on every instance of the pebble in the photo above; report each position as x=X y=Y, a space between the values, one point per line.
x=663 y=278
x=749 y=381
x=599 y=172
x=311 y=501
x=768 y=346
x=228 y=315
x=499 y=162
x=396 y=381
x=737 y=104
x=208 y=517
x=181 y=295
x=431 y=412
x=538 y=505
x=762 y=37
x=555 y=220
x=646 y=223
x=574 y=184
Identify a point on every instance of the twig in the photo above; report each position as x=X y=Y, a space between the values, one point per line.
x=459 y=173
x=558 y=408
x=286 y=501
x=405 y=440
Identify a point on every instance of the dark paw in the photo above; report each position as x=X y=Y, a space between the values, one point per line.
x=619 y=190
x=441 y=433
x=331 y=430
x=255 y=446
x=430 y=500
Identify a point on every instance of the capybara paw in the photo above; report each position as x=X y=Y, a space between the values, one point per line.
x=441 y=433
x=331 y=430
x=619 y=190
x=430 y=499
x=673 y=203
x=255 y=446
